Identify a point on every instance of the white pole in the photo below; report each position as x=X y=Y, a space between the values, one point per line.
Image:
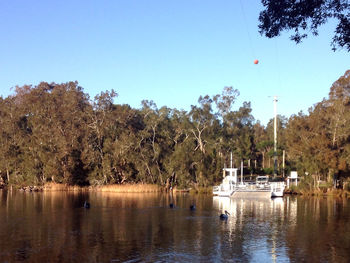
x=231 y=160
x=241 y=172
x=275 y=137
x=284 y=159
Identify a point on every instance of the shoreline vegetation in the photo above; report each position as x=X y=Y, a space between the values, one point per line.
x=319 y=192
x=125 y=188
x=55 y=135
x=152 y=188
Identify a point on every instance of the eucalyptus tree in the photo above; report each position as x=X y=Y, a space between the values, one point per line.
x=269 y=143
x=37 y=131
x=70 y=107
x=260 y=139
x=113 y=142
x=9 y=146
x=102 y=132
x=307 y=142
x=338 y=113
x=129 y=123
x=339 y=105
x=318 y=143
x=47 y=126
x=25 y=109
x=65 y=118
x=155 y=143
x=204 y=129
x=146 y=148
x=224 y=105
x=238 y=127
x=162 y=142
x=179 y=164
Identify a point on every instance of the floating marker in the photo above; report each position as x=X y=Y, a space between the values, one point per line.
x=256 y=61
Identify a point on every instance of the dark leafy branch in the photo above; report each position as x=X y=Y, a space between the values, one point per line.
x=305 y=17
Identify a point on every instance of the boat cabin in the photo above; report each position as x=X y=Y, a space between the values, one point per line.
x=262 y=181
x=230 y=175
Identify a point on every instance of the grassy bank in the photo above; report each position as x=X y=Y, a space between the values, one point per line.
x=319 y=192
x=328 y=192
x=202 y=190
x=152 y=188
x=125 y=188
x=117 y=188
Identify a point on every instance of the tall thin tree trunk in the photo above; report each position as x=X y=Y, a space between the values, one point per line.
x=263 y=160
x=8 y=175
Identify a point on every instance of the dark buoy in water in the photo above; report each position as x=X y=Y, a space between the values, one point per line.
x=86 y=205
x=193 y=207
x=224 y=216
x=172 y=205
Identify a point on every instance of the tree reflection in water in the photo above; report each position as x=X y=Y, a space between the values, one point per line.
x=53 y=226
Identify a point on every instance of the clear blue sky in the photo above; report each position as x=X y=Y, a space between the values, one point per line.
x=170 y=52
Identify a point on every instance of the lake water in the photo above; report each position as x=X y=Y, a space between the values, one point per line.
x=54 y=227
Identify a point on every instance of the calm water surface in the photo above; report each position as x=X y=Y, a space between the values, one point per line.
x=53 y=227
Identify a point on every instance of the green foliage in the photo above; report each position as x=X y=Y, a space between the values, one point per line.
x=55 y=133
x=306 y=184
x=324 y=186
x=268 y=170
x=305 y=17
x=318 y=143
x=294 y=188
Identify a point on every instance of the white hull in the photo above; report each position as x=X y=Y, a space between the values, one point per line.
x=277 y=194
x=277 y=189
x=224 y=194
x=230 y=187
x=251 y=191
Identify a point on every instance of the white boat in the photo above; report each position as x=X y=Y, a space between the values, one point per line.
x=229 y=183
x=262 y=182
x=277 y=189
x=262 y=188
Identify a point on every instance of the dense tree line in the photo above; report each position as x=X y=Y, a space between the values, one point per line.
x=55 y=132
x=318 y=143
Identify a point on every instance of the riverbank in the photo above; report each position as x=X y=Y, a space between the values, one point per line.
x=319 y=192
x=117 y=188
x=152 y=188
x=124 y=188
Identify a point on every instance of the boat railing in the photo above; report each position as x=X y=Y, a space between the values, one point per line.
x=224 y=188
x=216 y=188
x=276 y=186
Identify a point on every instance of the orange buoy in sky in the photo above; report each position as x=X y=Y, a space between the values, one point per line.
x=256 y=61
